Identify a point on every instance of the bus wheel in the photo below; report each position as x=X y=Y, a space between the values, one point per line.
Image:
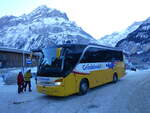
x=84 y=86
x=115 y=78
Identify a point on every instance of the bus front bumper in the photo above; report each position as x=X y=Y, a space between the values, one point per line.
x=51 y=90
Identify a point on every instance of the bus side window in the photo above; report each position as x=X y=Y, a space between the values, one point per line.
x=91 y=56
x=113 y=60
x=85 y=57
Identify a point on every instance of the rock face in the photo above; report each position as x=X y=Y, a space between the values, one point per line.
x=134 y=41
x=137 y=45
x=114 y=38
x=40 y=27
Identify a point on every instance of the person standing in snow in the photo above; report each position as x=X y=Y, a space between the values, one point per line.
x=20 y=82
x=27 y=78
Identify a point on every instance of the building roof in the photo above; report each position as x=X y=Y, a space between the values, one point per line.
x=13 y=50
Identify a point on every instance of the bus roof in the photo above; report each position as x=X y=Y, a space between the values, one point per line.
x=91 y=45
x=82 y=45
x=105 y=47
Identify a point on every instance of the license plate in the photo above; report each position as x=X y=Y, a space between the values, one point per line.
x=43 y=91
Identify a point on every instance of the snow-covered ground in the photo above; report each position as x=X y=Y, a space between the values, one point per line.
x=131 y=94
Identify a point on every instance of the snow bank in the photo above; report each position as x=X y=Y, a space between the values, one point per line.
x=10 y=75
x=1 y=81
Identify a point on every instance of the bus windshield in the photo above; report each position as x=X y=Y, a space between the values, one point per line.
x=59 y=61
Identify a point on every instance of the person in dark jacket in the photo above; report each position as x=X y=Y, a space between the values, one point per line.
x=27 y=78
x=20 y=82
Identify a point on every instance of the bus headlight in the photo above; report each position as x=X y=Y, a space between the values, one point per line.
x=57 y=83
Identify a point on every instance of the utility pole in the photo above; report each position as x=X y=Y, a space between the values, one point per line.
x=23 y=61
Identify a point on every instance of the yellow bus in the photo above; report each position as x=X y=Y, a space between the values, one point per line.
x=72 y=68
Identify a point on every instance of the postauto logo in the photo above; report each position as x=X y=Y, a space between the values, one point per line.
x=91 y=66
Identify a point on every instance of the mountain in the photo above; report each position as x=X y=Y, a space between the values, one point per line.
x=40 y=27
x=137 y=45
x=114 y=38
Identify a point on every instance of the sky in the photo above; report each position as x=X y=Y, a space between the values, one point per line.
x=97 y=17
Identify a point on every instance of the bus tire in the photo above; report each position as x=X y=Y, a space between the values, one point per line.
x=115 y=78
x=84 y=86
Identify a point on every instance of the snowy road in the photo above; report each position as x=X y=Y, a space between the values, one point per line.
x=130 y=95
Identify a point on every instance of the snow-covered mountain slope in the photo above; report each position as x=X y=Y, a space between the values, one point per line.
x=137 y=45
x=112 y=39
x=138 y=41
x=40 y=27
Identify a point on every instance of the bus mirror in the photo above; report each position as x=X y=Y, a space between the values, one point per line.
x=31 y=55
x=58 y=52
